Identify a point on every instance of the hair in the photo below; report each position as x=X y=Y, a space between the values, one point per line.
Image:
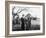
x=23 y=15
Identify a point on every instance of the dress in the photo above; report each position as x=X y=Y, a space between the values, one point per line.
x=22 y=25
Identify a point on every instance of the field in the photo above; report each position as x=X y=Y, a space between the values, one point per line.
x=35 y=25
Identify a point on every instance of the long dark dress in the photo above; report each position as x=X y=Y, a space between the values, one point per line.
x=29 y=23
x=22 y=25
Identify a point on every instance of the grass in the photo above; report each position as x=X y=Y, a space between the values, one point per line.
x=33 y=27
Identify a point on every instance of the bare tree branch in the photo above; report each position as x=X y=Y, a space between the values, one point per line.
x=18 y=11
x=22 y=10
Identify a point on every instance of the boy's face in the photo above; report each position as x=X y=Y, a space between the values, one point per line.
x=23 y=16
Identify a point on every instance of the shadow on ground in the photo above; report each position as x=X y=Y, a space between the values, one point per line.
x=33 y=27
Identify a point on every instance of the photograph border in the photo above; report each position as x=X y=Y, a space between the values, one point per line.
x=7 y=19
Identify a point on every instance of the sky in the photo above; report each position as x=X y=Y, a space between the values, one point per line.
x=34 y=11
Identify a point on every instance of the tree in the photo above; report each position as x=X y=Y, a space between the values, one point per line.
x=18 y=11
